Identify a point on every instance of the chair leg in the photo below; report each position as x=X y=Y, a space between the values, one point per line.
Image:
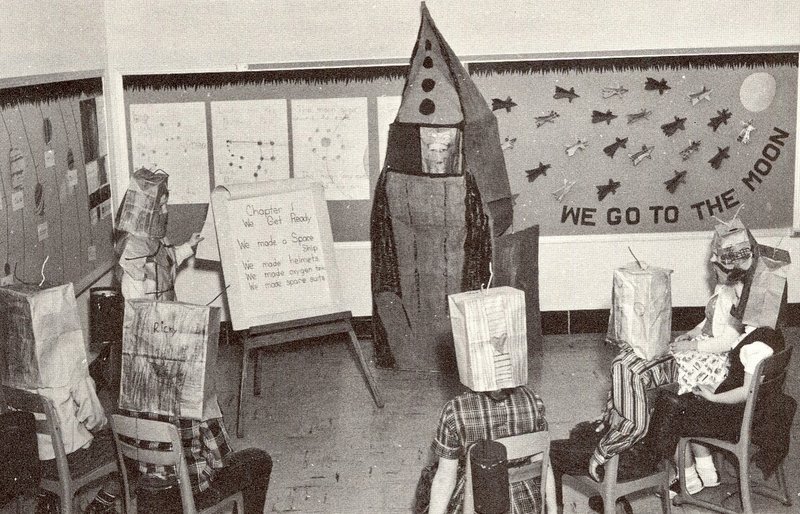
x=744 y=485
x=784 y=490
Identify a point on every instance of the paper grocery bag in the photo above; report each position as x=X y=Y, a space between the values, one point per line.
x=641 y=310
x=489 y=334
x=169 y=357
x=141 y=212
x=41 y=335
x=767 y=288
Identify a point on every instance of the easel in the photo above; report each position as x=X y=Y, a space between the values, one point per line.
x=295 y=330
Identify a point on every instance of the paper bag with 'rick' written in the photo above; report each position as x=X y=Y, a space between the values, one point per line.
x=641 y=310
x=41 y=340
x=169 y=356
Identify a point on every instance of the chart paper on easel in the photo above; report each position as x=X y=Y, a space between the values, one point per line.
x=276 y=248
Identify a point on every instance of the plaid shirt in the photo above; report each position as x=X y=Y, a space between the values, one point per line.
x=626 y=408
x=472 y=416
x=205 y=445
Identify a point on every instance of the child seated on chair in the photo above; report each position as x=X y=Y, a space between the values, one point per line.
x=505 y=407
x=715 y=409
x=85 y=435
x=146 y=268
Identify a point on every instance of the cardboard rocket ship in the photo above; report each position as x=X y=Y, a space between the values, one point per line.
x=441 y=198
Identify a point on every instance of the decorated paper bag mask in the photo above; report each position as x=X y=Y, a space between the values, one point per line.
x=42 y=340
x=169 y=356
x=641 y=310
x=489 y=333
x=767 y=288
x=144 y=207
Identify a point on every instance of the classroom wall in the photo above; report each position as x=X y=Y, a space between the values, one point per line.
x=575 y=272
x=137 y=36
x=53 y=37
x=56 y=40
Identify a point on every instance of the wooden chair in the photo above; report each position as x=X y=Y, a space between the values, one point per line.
x=769 y=376
x=65 y=478
x=611 y=488
x=135 y=429
x=535 y=445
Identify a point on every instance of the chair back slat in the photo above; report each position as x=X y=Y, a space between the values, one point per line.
x=154 y=432
x=768 y=378
x=148 y=456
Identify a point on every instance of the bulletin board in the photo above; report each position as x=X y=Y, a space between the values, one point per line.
x=592 y=145
x=208 y=129
x=275 y=241
x=648 y=144
x=55 y=197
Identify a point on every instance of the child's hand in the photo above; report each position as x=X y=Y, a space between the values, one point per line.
x=704 y=392
x=682 y=345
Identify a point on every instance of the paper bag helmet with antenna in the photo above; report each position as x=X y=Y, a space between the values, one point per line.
x=761 y=269
x=641 y=309
x=144 y=206
x=490 y=337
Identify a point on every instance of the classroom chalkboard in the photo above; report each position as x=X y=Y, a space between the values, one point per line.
x=276 y=249
x=55 y=197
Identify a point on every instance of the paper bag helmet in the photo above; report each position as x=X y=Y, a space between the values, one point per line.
x=732 y=249
x=737 y=257
x=144 y=207
x=489 y=333
x=439 y=93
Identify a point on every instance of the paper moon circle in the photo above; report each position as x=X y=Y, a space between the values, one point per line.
x=757 y=91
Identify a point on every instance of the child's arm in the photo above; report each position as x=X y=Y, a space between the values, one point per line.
x=442 y=486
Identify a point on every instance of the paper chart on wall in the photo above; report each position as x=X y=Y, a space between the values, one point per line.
x=172 y=137
x=250 y=141
x=387 y=112
x=331 y=145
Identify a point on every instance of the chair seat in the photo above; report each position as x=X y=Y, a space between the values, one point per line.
x=85 y=460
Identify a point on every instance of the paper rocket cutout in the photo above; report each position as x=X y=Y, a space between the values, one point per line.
x=645 y=153
x=673 y=126
x=562 y=191
x=721 y=118
x=679 y=178
x=573 y=148
x=689 y=150
x=547 y=118
x=656 y=85
x=705 y=94
x=611 y=149
x=506 y=104
x=535 y=173
x=563 y=93
x=644 y=114
x=608 y=92
x=604 y=190
x=744 y=134
x=600 y=117
x=721 y=155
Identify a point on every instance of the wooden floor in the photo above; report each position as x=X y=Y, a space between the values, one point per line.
x=335 y=452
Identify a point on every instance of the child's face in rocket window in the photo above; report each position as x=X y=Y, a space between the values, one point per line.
x=440 y=150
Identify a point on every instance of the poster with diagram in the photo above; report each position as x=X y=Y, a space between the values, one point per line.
x=172 y=137
x=330 y=138
x=250 y=141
